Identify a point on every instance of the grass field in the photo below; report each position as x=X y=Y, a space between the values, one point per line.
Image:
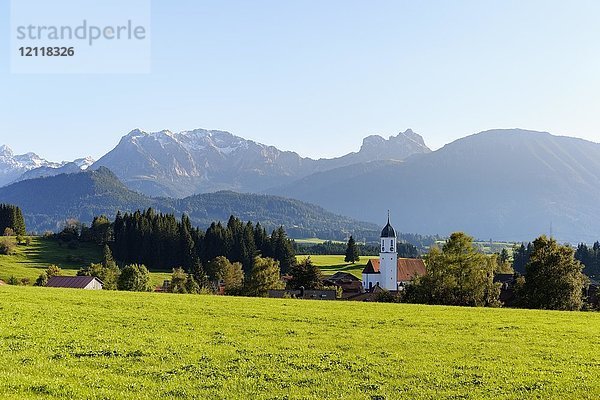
x=329 y=265
x=489 y=247
x=30 y=261
x=68 y=343
x=315 y=241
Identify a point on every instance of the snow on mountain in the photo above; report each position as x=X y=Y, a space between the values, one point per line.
x=84 y=163
x=179 y=164
x=29 y=165
x=13 y=166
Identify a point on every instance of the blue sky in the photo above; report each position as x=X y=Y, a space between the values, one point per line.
x=318 y=76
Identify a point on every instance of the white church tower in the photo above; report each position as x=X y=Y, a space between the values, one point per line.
x=388 y=258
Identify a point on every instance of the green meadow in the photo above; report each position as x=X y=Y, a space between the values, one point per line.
x=30 y=261
x=330 y=264
x=69 y=343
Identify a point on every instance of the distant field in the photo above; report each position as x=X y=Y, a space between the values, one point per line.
x=68 y=343
x=331 y=264
x=315 y=241
x=489 y=247
x=31 y=261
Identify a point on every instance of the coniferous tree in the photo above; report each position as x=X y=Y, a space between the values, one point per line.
x=305 y=274
x=352 y=251
x=187 y=244
x=283 y=251
x=107 y=258
x=521 y=257
x=11 y=217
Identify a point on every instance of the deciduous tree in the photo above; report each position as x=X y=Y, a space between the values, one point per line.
x=553 y=278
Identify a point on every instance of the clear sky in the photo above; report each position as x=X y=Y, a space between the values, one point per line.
x=317 y=76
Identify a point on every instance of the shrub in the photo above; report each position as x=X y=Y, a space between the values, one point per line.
x=135 y=278
x=13 y=280
x=41 y=280
x=53 y=270
x=7 y=247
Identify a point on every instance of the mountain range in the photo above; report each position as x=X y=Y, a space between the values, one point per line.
x=507 y=184
x=502 y=184
x=200 y=161
x=26 y=166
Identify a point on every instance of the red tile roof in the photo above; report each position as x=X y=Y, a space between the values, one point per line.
x=77 y=282
x=408 y=268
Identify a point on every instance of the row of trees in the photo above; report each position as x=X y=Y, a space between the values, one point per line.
x=162 y=242
x=405 y=250
x=588 y=256
x=457 y=274
x=11 y=220
x=226 y=277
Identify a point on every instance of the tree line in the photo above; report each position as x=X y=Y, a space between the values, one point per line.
x=405 y=250
x=238 y=256
x=589 y=256
x=11 y=220
x=162 y=242
x=457 y=274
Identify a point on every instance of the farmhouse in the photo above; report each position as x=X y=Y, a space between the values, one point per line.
x=75 y=282
x=390 y=272
x=349 y=284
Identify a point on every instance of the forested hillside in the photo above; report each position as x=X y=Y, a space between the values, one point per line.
x=48 y=202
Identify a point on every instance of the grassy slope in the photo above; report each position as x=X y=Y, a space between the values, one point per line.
x=332 y=264
x=31 y=261
x=79 y=344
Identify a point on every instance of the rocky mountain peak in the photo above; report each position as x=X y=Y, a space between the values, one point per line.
x=6 y=151
x=396 y=147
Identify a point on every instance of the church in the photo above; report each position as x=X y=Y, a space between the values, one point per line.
x=390 y=272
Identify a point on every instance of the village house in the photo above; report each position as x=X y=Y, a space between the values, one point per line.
x=349 y=283
x=75 y=282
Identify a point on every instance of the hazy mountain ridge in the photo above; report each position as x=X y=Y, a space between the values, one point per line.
x=504 y=184
x=48 y=202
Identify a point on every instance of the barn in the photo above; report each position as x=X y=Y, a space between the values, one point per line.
x=75 y=282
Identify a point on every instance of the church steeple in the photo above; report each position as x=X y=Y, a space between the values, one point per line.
x=388 y=258
x=388 y=231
